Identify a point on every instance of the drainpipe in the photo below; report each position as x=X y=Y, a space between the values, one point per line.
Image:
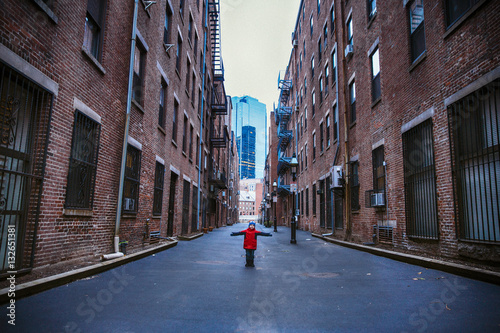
x=346 y=138
x=200 y=143
x=125 y=139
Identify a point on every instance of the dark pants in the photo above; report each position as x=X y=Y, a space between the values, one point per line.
x=250 y=254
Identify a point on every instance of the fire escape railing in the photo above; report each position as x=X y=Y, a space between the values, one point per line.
x=283 y=114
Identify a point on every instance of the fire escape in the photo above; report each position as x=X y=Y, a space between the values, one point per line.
x=282 y=116
x=219 y=132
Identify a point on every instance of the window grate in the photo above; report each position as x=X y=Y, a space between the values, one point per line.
x=474 y=130
x=420 y=182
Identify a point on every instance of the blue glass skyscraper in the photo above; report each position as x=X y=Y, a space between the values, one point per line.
x=248 y=111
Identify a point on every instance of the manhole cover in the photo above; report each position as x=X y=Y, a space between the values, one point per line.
x=321 y=275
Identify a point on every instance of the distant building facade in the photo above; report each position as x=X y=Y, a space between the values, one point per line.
x=249 y=112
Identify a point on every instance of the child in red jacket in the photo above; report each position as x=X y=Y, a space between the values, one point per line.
x=250 y=242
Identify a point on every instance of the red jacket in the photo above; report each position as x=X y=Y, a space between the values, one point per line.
x=250 y=242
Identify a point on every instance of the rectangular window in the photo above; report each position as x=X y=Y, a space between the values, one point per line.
x=94 y=25
x=332 y=18
x=335 y=125
x=352 y=100
x=312 y=66
x=338 y=200
x=195 y=49
x=354 y=185
x=305 y=153
x=181 y=7
x=378 y=169
x=158 y=189
x=334 y=67
x=417 y=29
x=313 y=103
x=321 y=89
x=350 y=32
x=311 y=24
x=328 y=131
x=321 y=192
x=319 y=6
x=314 y=200
x=175 y=116
x=82 y=163
x=375 y=62
x=190 y=29
x=131 y=183
x=162 y=109
x=188 y=74
x=474 y=125
x=325 y=36
x=167 y=26
x=307 y=201
x=184 y=135
x=314 y=146
x=193 y=89
x=197 y=151
x=420 y=182
x=139 y=64
x=185 y=207
x=305 y=118
x=319 y=49
x=178 y=54
x=455 y=9
x=326 y=79
x=372 y=8
x=321 y=138
x=191 y=135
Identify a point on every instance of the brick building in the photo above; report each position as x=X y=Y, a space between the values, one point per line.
x=391 y=108
x=109 y=132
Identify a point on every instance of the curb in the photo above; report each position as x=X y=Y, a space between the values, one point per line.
x=37 y=286
x=453 y=268
x=189 y=238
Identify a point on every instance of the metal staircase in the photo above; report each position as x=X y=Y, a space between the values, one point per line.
x=282 y=115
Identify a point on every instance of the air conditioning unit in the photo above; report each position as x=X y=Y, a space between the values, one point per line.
x=129 y=204
x=377 y=199
x=349 y=50
x=337 y=177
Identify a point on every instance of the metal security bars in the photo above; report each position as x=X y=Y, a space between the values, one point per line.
x=474 y=129
x=25 y=113
x=158 y=189
x=83 y=162
x=420 y=182
x=132 y=178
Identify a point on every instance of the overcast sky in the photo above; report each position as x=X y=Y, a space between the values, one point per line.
x=256 y=45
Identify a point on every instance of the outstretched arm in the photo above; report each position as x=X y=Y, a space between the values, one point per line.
x=237 y=233
x=268 y=234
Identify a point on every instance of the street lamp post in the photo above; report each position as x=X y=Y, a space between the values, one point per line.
x=293 y=224
x=275 y=202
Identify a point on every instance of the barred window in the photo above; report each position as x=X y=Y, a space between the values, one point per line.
x=94 y=25
x=132 y=178
x=354 y=186
x=420 y=182
x=314 y=200
x=474 y=126
x=83 y=162
x=417 y=29
x=158 y=189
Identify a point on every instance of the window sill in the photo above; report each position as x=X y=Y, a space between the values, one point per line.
x=184 y=153
x=156 y=217
x=455 y=25
x=78 y=212
x=138 y=106
x=129 y=215
x=162 y=130
x=376 y=102
x=370 y=20
x=418 y=61
x=47 y=10
x=174 y=143
x=93 y=60
x=352 y=125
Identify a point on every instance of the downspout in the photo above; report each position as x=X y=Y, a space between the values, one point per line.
x=125 y=139
x=346 y=140
x=200 y=143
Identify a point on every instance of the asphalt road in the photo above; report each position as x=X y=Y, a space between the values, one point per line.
x=311 y=286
